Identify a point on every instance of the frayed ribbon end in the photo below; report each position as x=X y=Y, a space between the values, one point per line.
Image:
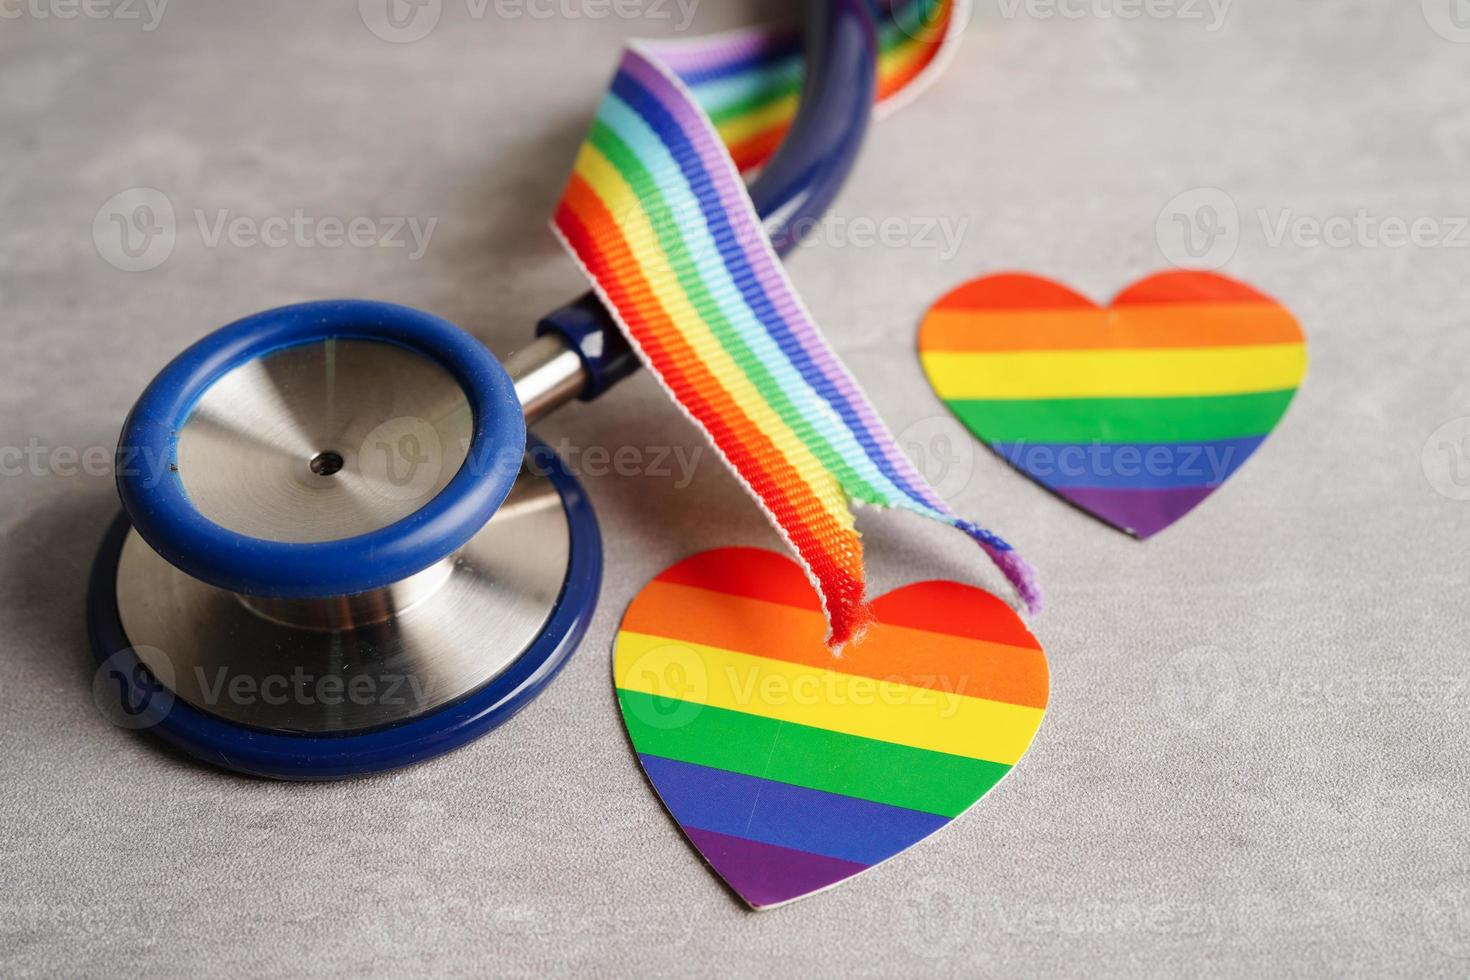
x=1021 y=575
x=849 y=625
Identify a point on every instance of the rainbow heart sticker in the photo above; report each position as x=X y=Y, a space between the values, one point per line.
x=791 y=769
x=1135 y=413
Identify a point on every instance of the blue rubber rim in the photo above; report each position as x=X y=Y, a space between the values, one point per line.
x=318 y=757
x=172 y=526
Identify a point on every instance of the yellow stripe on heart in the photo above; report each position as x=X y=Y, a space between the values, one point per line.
x=1136 y=373
x=853 y=705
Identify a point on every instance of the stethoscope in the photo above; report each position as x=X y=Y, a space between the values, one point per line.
x=340 y=552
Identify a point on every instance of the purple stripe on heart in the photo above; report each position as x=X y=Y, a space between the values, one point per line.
x=764 y=874
x=1142 y=513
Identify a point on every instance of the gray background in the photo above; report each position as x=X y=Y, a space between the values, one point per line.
x=1256 y=754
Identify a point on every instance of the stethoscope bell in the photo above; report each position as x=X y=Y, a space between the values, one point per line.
x=336 y=555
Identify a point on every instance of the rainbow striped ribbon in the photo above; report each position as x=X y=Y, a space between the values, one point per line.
x=658 y=216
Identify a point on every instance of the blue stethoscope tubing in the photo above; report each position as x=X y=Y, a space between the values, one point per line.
x=793 y=190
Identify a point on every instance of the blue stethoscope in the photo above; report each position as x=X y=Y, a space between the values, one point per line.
x=339 y=551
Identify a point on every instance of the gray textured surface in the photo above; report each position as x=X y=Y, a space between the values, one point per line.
x=1290 y=799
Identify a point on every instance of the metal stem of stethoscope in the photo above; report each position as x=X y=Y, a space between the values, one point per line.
x=278 y=554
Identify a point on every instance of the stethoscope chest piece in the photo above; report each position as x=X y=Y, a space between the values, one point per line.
x=337 y=555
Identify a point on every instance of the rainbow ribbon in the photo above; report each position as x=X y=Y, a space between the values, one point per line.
x=659 y=219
